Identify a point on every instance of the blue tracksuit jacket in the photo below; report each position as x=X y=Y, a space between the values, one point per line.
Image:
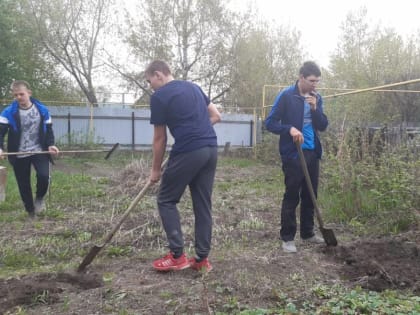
x=287 y=112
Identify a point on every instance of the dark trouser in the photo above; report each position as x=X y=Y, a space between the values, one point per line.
x=22 y=170
x=296 y=189
x=195 y=169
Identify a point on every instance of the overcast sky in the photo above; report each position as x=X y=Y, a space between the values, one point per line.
x=319 y=21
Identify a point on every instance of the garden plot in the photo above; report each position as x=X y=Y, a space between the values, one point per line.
x=250 y=270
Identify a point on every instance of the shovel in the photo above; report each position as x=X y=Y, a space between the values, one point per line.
x=96 y=248
x=327 y=234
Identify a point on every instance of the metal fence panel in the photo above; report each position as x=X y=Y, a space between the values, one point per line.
x=131 y=127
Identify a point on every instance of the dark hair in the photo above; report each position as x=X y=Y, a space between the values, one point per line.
x=309 y=68
x=158 y=65
x=19 y=83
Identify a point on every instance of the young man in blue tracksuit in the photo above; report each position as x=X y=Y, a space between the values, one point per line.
x=188 y=113
x=297 y=116
x=28 y=125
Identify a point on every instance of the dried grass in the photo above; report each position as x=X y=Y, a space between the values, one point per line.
x=134 y=177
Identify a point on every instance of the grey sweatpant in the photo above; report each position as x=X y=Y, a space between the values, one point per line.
x=196 y=170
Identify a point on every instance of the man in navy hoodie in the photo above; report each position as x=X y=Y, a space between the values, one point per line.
x=28 y=124
x=297 y=116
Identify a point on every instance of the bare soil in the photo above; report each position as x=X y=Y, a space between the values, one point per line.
x=250 y=269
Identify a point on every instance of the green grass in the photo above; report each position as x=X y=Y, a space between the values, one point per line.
x=117 y=251
x=335 y=301
x=240 y=163
x=11 y=258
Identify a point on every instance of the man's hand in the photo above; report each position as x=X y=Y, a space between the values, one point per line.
x=311 y=99
x=296 y=135
x=155 y=176
x=2 y=157
x=53 y=150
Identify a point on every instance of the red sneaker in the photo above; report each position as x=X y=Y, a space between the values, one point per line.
x=203 y=266
x=169 y=263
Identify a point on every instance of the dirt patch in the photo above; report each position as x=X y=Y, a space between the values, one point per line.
x=379 y=265
x=43 y=288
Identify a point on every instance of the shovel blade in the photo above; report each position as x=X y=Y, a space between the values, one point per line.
x=329 y=237
x=89 y=257
x=111 y=151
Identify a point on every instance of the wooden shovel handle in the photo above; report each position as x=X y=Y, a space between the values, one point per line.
x=133 y=203
x=309 y=184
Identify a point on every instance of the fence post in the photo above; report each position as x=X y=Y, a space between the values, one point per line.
x=251 y=125
x=226 y=149
x=68 y=129
x=133 y=134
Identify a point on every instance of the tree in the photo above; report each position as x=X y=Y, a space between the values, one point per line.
x=70 y=32
x=351 y=70
x=264 y=56
x=197 y=38
x=391 y=60
x=348 y=63
x=8 y=43
x=367 y=58
x=21 y=57
x=231 y=55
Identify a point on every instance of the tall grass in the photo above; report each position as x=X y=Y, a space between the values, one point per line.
x=364 y=182
x=380 y=191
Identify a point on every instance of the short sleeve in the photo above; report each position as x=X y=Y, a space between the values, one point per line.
x=206 y=98
x=157 y=111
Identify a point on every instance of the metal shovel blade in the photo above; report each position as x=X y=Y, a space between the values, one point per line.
x=95 y=249
x=89 y=257
x=329 y=236
x=114 y=147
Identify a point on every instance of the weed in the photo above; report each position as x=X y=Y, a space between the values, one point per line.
x=115 y=251
x=108 y=277
x=18 y=310
x=370 y=191
x=165 y=294
x=321 y=291
x=16 y=259
x=232 y=304
x=360 y=302
x=252 y=223
x=41 y=298
x=66 y=304
x=120 y=295
x=84 y=236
